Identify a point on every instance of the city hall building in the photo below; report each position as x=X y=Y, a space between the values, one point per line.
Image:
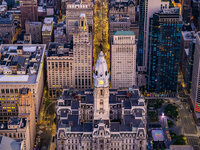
x=101 y=118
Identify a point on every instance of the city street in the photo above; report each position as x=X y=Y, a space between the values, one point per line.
x=46 y=127
x=189 y=129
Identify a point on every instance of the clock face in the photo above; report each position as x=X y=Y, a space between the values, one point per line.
x=101 y=82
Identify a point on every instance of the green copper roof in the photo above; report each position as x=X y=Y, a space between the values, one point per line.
x=124 y=33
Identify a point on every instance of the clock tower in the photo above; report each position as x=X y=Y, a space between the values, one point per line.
x=101 y=89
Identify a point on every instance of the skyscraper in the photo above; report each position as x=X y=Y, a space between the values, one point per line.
x=164 y=51
x=73 y=11
x=82 y=49
x=22 y=67
x=123 y=60
x=28 y=10
x=59 y=68
x=196 y=76
x=147 y=9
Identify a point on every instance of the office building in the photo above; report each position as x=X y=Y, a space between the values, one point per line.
x=47 y=30
x=21 y=67
x=188 y=40
x=26 y=109
x=186 y=10
x=102 y=118
x=82 y=49
x=164 y=51
x=196 y=77
x=123 y=60
x=60 y=33
x=35 y=30
x=147 y=9
x=29 y=11
x=7 y=29
x=123 y=16
x=60 y=73
x=18 y=129
x=73 y=11
x=8 y=143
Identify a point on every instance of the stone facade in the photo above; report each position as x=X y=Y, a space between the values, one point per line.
x=103 y=118
x=82 y=49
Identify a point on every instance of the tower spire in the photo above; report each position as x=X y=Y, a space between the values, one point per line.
x=101 y=75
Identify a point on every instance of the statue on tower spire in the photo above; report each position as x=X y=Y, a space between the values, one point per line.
x=101 y=75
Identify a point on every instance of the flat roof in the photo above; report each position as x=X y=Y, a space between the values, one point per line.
x=157 y=135
x=181 y=147
x=14 y=78
x=124 y=33
x=7 y=143
x=48 y=20
x=23 y=67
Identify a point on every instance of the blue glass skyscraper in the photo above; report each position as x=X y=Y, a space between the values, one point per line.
x=164 y=51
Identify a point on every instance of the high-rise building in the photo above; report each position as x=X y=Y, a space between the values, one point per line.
x=186 y=9
x=188 y=40
x=126 y=20
x=73 y=11
x=47 y=30
x=108 y=119
x=21 y=67
x=123 y=60
x=35 y=30
x=164 y=51
x=28 y=10
x=18 y=129
x=82 y=49
x=7 y=28
x=26 y=109
x=60 y=33
x=22 y=127
x=147 y=9
x=195 y=92
x=60 y=73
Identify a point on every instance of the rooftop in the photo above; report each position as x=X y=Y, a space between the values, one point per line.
x=124 y=33
x=20 y=63
x=189 y=35
x=58 y=49
x=13 y=124
x=48 y=20
x=7 y=143
x=75 y=99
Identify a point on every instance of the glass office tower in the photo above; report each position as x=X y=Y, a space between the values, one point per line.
x=164 y=51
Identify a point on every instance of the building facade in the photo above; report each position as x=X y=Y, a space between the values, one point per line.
x=147 y=9
x=82 y=49
x=123 y=16
x=21 y=67
x=188 y=40
x=47 y=30
x=60 y=73
x=29 y=11
x=60 y=33
x=73 y=11
x=164 y=51
x=35 y=30
x=123 y=60
x=7 y=29
x=196 y=76
x=101 y=118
